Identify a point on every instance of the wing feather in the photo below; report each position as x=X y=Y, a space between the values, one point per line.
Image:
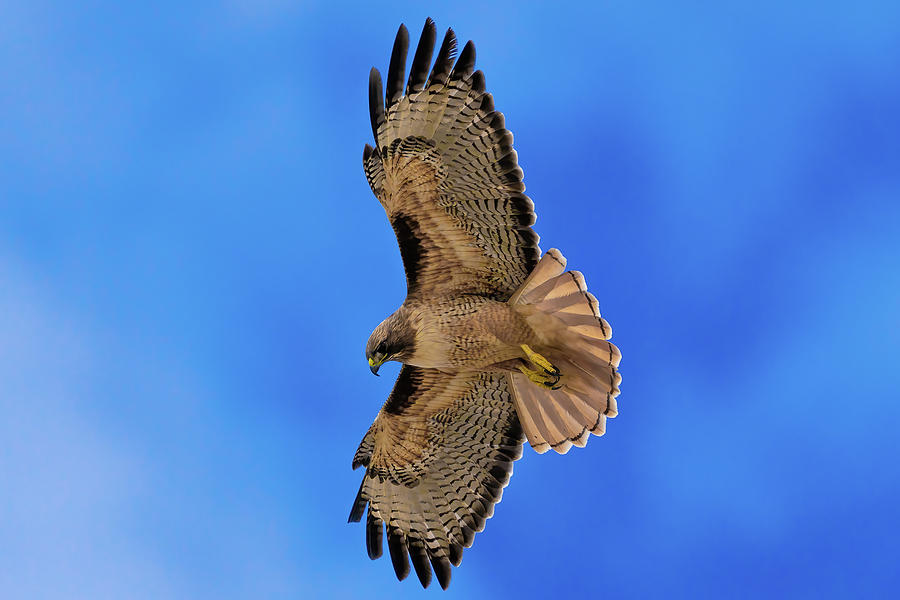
x=443 y=64
x=397 y=68
x=437 y=459
x=444 y=169
x=376 y=102
x=418 y=72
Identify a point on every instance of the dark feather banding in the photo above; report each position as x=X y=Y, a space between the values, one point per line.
x=456 y=149
x=418 y=72
x=447 y=495
x=364 y=452
x=443 y=64
x=397 y=69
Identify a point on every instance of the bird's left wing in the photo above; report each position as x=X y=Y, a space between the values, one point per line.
x=444 y=169
x=437 y=459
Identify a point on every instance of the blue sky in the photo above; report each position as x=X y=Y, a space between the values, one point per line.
x=191 y=262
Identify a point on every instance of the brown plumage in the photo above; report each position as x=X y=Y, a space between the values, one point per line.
x=498 y=343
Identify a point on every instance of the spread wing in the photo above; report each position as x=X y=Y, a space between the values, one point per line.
x=437 y=459
x=447 y=176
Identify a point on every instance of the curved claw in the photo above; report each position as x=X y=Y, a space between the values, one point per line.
x=554 y=385
x=543 y=378
x=554 y=372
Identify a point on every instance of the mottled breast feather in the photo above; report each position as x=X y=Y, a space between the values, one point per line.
x=437 y=459
x=444 y=169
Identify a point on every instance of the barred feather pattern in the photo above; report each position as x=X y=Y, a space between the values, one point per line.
x=444 y=169
x=437 y=459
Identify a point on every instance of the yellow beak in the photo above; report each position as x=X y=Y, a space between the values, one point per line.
x=373 y=366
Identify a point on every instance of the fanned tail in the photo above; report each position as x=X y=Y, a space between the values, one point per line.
x=566 y=315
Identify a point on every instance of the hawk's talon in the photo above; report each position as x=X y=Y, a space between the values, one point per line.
x=539 y=360
x=547 y=376
x=542 y=378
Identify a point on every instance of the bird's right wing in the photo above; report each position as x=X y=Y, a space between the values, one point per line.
x=437 y=459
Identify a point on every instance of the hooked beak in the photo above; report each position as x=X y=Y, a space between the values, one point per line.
x=373 y=365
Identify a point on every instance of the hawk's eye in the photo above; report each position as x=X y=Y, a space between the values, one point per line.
x=381 y=349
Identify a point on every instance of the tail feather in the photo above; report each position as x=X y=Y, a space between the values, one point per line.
x=558 y=287
x=527 y=402
x=573 y=319
x=551 y=264
x=601 y=351
x=558 y=426
x=550 y=425
x=578 y=346
x=572 y=303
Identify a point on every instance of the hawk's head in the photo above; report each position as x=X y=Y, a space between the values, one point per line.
x=391 y=340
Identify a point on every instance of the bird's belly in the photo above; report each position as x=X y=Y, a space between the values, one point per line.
x=470 y=334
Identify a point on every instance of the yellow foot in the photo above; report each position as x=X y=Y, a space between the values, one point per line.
x=543 y=379
x=546 y=375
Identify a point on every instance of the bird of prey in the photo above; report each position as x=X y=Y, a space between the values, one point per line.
x=498 y=343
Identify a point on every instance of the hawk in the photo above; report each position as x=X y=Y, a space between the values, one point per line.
x=498 y=343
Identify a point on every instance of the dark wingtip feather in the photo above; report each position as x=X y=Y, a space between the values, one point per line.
x=376 y=101
x=374 y=536
x=468 y=534
x=442 y=569
x=359 y=505
x=487 y=103
x=444 y=61
x=466 y=62
x=478 y=82
x=399 y=554
x=418 y=72
x=397 y=68
x=455 y=554
x=420 y=562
